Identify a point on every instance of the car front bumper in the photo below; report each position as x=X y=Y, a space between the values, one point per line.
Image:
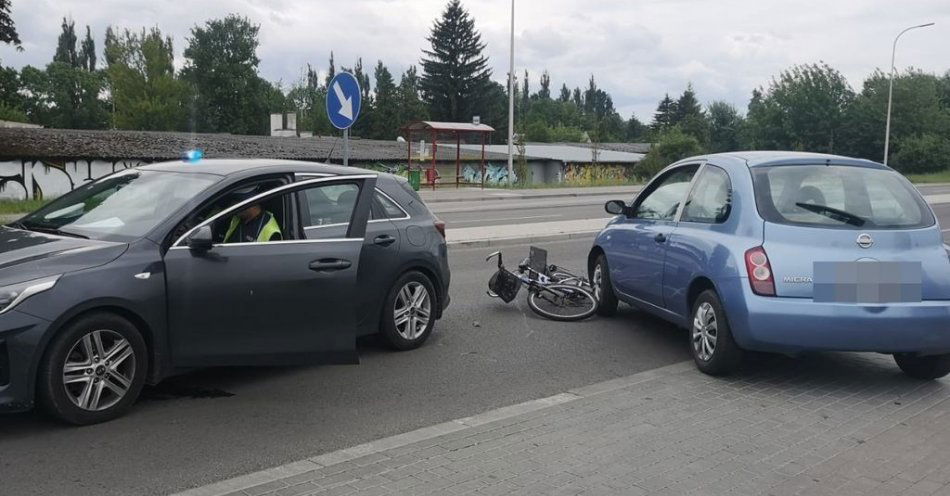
x=792 y=325
x=20 y=337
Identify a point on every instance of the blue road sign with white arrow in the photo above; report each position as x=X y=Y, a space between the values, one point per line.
x=343 y=100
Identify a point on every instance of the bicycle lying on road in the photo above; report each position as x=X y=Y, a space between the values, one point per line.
x=553 y=293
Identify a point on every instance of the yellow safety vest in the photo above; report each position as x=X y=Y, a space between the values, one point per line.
x=268 y=230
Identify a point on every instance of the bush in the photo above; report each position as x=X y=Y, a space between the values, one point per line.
x=8 y=113
x=922 y=154
x=672 y=145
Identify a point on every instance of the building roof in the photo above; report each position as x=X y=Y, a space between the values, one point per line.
x=449 y=126
x=568 y=153
x=23 y=143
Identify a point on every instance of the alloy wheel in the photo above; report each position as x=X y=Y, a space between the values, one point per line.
x=98 y=370
x=412 y=310
x=598 y=281
x=705 y=332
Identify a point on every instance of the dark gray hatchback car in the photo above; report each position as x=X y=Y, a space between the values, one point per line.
x=136 y=276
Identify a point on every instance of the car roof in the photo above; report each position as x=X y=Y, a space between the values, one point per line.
x=774 y=158
x=227 y=167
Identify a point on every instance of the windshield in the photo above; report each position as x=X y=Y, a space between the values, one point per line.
x=839 y=196
x=120 y=207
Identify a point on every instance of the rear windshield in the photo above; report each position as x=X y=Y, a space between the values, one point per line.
x=839 y=196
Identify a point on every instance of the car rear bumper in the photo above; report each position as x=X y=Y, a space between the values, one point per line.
x=20 y=336
x=791 y=325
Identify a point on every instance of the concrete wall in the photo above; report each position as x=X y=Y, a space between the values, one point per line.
x=28 y=179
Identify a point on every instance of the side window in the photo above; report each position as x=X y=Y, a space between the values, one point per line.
x=388 y=207
x=258 y=222
x=330 y=204
x=662 y=201
x=330 y=209
x=709 y=201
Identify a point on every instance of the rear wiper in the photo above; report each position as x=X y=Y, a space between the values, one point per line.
x=834 y=213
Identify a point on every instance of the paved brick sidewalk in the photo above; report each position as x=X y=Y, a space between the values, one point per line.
x=836 y=423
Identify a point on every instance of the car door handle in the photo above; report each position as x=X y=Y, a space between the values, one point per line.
x=384 y=240
x=660 y=238
x=328 y=264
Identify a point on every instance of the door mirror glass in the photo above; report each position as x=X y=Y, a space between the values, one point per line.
x=615 y=207
x=202 y=239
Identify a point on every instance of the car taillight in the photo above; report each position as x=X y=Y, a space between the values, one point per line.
x=760 y=272
x=440 y=226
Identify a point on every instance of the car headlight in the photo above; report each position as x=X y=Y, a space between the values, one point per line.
x=12 y=295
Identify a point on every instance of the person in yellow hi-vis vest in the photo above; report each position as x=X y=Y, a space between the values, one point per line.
x=253 y=225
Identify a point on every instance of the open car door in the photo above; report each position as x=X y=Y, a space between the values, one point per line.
x=291 y=301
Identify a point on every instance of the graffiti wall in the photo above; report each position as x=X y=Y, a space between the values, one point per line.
x=596 y=173
x=494 y=174
x=29 y=179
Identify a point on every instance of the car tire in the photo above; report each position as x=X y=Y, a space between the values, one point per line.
x=603 y=289
x=923 y=367
x=409 y=316
x=714 y=349
x=80 y=389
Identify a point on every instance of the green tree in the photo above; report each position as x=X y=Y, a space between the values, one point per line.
x=386 y=121
x=921 y=154
x=410 y=106
x=801 y=110
x=725 y=125
x=8 y=33
x=66 y=45
x=221 y=67
x=146 y=93
x=689 y=116
x=636 y=131
x=66 y=94
x=918 y=110
x=565 y=95
x=672 y=145
x=331 y=70
x=455 y=72
x=308 y=98
x=545 y=92
x=665 y=115
x=87 y=52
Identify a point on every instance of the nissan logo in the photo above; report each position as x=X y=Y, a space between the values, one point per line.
x=865 y=240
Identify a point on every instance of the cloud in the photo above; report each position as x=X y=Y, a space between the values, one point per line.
x=637 y=51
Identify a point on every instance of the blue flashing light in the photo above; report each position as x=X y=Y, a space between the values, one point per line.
x=193 y=156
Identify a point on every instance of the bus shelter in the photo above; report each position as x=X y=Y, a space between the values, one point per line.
x=446 y=131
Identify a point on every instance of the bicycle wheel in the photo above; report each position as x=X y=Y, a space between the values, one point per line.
x=564 y=302
x=570 y=279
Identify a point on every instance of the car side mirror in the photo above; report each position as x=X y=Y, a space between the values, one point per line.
x=202 y=239
x=616 y=207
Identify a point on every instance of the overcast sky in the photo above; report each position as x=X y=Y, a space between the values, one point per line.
x=637 y=49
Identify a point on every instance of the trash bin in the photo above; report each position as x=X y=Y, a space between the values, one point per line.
x=414 y=178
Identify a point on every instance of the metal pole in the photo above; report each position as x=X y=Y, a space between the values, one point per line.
x=346 y=147
x=890 y=90
x=511 y=99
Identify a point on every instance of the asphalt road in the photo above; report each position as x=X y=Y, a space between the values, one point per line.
x=216 y=424
x=502 y=212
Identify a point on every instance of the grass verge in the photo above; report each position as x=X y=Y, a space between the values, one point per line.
x=8 y=207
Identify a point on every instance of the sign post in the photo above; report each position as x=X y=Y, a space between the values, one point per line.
x=343 y=107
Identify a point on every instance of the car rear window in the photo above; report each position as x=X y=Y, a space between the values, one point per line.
x=838 y=196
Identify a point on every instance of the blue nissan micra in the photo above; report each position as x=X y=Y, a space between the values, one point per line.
x=782 y=252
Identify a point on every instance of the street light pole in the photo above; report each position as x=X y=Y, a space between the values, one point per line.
x=890 y=89
x=511 y=99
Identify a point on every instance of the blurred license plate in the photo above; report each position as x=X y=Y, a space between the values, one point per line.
x=867 y=282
